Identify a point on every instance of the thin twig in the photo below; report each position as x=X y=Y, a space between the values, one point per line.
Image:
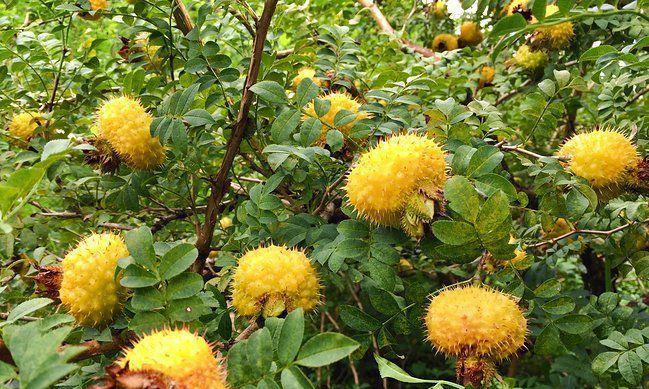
x=605 y=233
x=385 y=26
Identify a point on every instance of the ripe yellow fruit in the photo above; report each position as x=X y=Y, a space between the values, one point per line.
x=274 y=279
x=154 y=61
x=528 y=59
x=487 y=74
x=23 y=126
x=182 y=356
x=95 y=5
x=556 y=36
x=225 y=222
x=518 y=6
x=603 y=157
x=306 y=73
x=475 y=321
x=445 y=42
x=123 y=122
x=339 y=101
x=439 y=8
x=470 y=34
x=89 y=289
x=387 y=177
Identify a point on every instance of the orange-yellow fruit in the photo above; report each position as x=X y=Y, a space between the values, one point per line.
x=89 y=289
x=528 y=59
x=181 y=356
x=97 y=6
x=23 y=126
x=470 y=34
x=338 y=102
x=306 y=73
x=274 y=279
x=555 y=36
x=445 y=42
x=125 y=125
x=487 y=74
x=439 y=8
x=386 y=178
x=603 y=157
x=475 y=321
x=518 y=6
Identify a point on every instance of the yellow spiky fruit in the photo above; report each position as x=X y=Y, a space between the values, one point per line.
x=23 y=126
x=179 y=355
x=475 y=321
x=274 y=279
x=445 y=42
x=603 y=157
x=487 y=74
x=518 y=6
x=124 y=124
x=387 y=178
x=89 y=289
x=439 y=8
x=154 y=61
x=338 y=101
x=528 y=59
x=555 y=36
x=470 y=34
x=306 y=73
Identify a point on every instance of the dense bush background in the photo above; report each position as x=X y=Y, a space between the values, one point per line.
x=584 y=295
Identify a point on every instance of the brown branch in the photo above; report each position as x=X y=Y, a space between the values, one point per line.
x=518 y=149
x=637 y=96
x=327 y=192
x=605 y=233
x=182 y=18
x=385 y=26
x=220 y=183
x=509 y=95
x=283 y=53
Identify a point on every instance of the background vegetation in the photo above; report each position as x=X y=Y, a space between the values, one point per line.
x=244 y=168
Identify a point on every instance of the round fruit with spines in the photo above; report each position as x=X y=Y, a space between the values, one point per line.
x=274 y=279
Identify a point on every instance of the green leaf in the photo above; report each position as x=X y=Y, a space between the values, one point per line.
x=260 y=350
x=547 y=86
x=310 y=131
x=462 y=197
x=509 y=24
x=137 y=277
x=388 y=369
x=574 y=324
x=147 y=299
x=325 y=348
x=491 y=182
x=594 y=53
x=357 y=319
x=293 y=378
x=353 y=229
x=185 y=285
x=382 y=274
x=307 y=90
x=493 y=213
x=343 y=117
x=547 y=289
x=630 y=366
x=145 y=322
x=454 y=233
x=548 y=342
x=186 y=310
x=177 y=260
x=483 y=161
x=290 y=336
x=199 y=117
x=538 y=9
x=284 y=125
x=25 y=308
x=559 y=306
x=140 y=246
x=604 y=361
x=270 y=91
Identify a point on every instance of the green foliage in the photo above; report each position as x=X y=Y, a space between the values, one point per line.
x=513 y=215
